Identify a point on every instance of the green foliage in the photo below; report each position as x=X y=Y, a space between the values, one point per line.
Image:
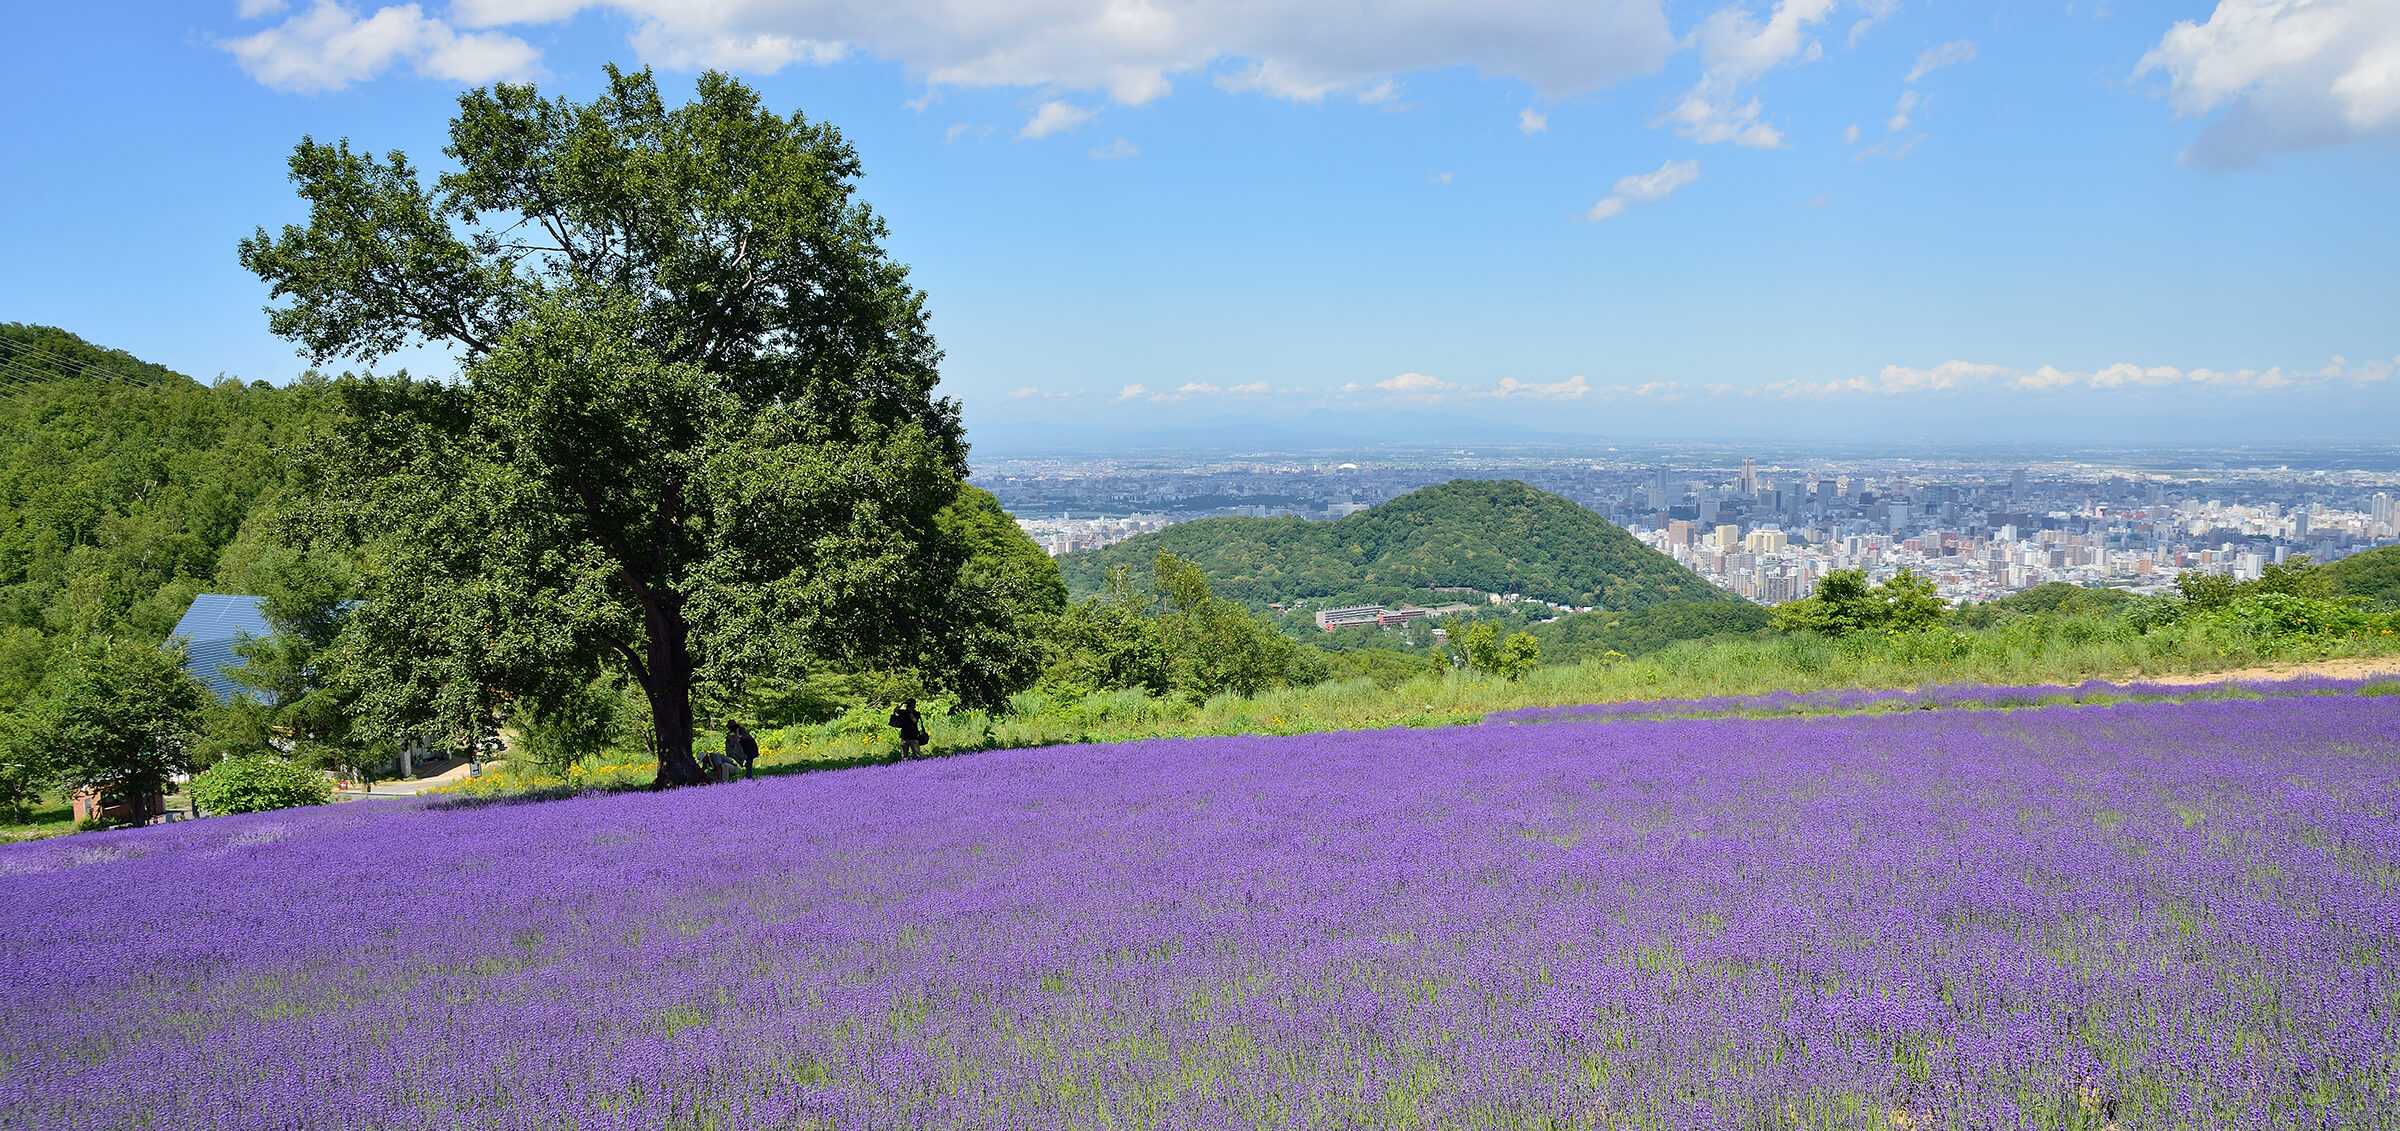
x=1639 y=632
x=1387 y=667
x=2373 y=577
x=572 y=723
x=118 y=716
x=306 y=706
x=253 y=783
x=117 y=499
x=1483 y=649
x=697 y=439
x=1844 y=604
x=1494 y=536
x=1174 y=637
x=2056 y=599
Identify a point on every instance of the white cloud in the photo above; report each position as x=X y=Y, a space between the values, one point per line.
x=1899 y=118
x=1934 y=59
x=1887 y=149
x=1736 y=50
x=2289 y=74
x=1134 y=52
x=253 y=9
x=965 y=129
x=1877 y=12
x=1573 y=388
x=1116 y=150
x=1642 y=188
x=1531 y=121
x=1380 y=93
x=1130 y=392
x=1053 y=117
x=1416 y=387
x=1955 y=376
x=1850 y=136
x=1441 y=178
x=329 y=47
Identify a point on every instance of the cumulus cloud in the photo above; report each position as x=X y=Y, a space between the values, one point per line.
x=1129 y=393
x=1441 y=178
x=1934 y=59
x=1850 y=136
x=2288 y=74
x=1134 y=53
x=965 y=129
x=329 y=47
x=1116 y=150
x=1531 y=121
x=1055 y=116
x=1642 y=188
x=1952 y=376
x=1735 y=51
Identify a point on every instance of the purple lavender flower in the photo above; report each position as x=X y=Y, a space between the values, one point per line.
x=2152 y=913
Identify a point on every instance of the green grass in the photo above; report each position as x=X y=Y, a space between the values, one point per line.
x=2025 y=652
x=49 y=815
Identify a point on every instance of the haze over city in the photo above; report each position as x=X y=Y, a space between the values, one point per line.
x=2130 y=222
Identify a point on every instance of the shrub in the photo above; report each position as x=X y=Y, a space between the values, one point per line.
x=251 y=783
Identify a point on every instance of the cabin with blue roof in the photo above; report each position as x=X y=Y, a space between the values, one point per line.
x=210 y=629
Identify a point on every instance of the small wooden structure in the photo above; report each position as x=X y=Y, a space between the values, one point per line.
x=91 y=804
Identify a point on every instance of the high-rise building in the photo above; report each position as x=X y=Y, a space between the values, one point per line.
x=2017 y=487
x=1728 y=536
x=2379 y=509
x=1749 y=477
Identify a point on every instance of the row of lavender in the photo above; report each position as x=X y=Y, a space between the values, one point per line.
x=2152 y=915
x=1952 y=696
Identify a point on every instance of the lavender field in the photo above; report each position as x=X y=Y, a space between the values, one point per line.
x=2140 y=915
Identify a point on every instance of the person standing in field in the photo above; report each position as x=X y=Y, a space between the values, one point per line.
x=742 y=747
x=912 y=729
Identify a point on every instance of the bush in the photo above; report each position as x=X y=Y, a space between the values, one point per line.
x=251 y=783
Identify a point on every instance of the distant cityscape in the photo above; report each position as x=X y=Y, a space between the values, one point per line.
x=1770 y=527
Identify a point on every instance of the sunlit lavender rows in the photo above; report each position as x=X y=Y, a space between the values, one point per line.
x=2146 y=915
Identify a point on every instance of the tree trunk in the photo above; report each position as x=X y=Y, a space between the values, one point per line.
x=670 y=692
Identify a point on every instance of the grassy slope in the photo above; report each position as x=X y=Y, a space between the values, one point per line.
x=2023 y=653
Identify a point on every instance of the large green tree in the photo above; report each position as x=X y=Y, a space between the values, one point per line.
x=695 y=435
x=118 y=716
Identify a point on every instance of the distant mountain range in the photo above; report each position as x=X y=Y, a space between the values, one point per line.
x=1497 y=536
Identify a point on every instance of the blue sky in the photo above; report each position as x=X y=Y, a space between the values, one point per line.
x=1622 y=218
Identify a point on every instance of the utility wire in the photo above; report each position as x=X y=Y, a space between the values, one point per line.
x=29 y=365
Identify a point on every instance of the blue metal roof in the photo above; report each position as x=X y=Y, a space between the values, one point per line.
x=210 y=629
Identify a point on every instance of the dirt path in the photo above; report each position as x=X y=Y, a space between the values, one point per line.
x=2327 y=669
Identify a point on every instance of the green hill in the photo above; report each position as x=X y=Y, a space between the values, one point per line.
x=2374 y=575
x=1498 y=536
x=124 y=486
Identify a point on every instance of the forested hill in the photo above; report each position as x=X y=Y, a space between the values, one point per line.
x=124 y=486
x=1499 y=536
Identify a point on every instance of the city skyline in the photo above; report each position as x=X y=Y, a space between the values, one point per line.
x=1808 y=218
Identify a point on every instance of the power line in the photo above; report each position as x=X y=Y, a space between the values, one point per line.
x=32 y=365
x=79 y=365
